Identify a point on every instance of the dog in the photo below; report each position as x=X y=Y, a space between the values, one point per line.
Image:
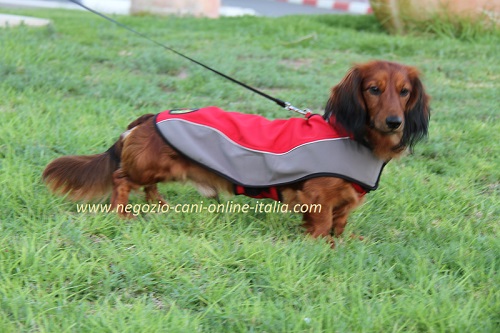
x=380 y=106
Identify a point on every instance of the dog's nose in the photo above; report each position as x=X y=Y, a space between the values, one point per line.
x=393 y=122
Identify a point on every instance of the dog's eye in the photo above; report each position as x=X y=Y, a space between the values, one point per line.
x=374 y=90
x=404 y=92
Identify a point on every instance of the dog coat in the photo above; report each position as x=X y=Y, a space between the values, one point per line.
x=257 y=154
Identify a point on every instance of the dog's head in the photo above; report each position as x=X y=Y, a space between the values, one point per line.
x=383 y=105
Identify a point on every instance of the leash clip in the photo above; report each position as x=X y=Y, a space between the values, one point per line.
x=305 y=112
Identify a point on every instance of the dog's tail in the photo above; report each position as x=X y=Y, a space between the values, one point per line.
x=87 y=177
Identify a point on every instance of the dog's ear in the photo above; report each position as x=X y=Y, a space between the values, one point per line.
x=346 y=104
x=417 y=114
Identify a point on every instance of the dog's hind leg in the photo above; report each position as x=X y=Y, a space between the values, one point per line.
x=122 y=186
x=153 y=195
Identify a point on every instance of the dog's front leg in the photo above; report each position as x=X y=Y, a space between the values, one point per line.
x=336 y=198
x=320 y=224
x=341 y=212
x=339 y=223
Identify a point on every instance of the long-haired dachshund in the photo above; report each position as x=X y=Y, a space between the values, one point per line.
x=380 y=105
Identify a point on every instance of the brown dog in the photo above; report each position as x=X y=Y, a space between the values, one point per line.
x=382 y=105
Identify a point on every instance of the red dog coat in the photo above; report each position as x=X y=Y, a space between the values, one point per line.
x=257 y=154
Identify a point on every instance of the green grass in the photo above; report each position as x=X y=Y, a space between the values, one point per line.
x=430 y=259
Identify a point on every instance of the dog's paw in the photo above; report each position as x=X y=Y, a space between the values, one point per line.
x=354 y=236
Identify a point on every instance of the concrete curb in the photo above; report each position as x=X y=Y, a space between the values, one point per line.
x=352 y=7
x=123 y=7
x=109 y=6
x=15 y=20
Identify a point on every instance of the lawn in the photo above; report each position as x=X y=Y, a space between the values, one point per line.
x=430 y=258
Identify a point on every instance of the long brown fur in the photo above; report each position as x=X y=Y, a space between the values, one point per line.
x=382 y=104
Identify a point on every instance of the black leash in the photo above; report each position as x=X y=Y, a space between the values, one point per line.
x=281 y=103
